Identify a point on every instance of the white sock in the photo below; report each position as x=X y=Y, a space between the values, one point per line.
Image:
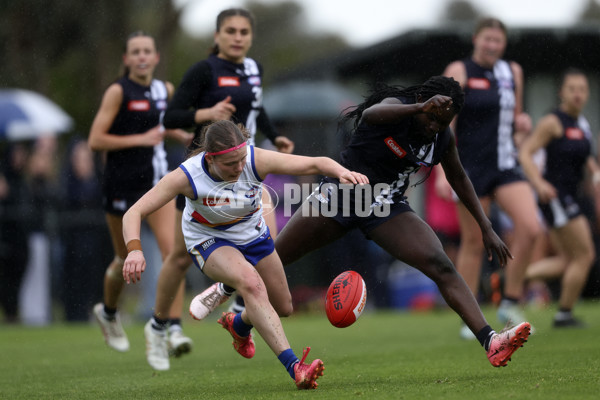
x=563 y=315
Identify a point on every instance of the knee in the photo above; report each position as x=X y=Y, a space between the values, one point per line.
x=284 y=308
x=439 y=267
x=251 y=286
x=181 y=260
x=591 y=256
x=115 y=269
x=587 y=257
x=471 y=241
x=528 y=231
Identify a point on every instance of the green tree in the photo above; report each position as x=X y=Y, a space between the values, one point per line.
x=70 y=50
x=462 y=11
x=591 y=13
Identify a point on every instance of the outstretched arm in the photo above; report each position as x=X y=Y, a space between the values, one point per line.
x=392 y=110
x=166 y=189
x=271 y=162
x=463 y=188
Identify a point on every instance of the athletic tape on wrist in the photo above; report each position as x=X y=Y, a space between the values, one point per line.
x=134 y=244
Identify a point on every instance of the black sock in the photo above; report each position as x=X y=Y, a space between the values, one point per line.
x=159 y=324
x=228 y=290
x=110 y=313
x=175 y=321
x=484 y=336
x=239 y=300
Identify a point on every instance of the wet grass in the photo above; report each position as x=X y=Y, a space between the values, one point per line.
x=385 y=355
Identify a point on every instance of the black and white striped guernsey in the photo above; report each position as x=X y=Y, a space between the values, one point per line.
x=139 y=168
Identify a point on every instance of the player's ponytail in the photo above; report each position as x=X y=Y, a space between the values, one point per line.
x=220 y=136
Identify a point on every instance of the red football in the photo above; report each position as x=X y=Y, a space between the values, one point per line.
x=346 y=299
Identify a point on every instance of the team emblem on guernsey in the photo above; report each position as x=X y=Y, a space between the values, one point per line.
x=229 y=81
x=395 y=147
x=252 y=192
x=254 y=80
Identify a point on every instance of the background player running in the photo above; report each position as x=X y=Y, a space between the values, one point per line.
x=484 y=129
x=565 y=135
x=127 y=127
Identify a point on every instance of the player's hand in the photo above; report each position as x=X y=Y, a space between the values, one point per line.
x=283 y=144
x=545 y=191
x=154 y=136
x=134 y=265
x=523 y=123
x=182 y=136
x=353 y=177
x=493 y=244
x=223 y=110
x=437 y=104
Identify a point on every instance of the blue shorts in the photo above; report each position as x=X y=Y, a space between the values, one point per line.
x=253 y=252
x=560 y=210
x=486 y=181
x=347 y=217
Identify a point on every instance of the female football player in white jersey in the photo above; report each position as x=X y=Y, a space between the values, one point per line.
x=127 y=127
x=225 y=85
x=226 y=235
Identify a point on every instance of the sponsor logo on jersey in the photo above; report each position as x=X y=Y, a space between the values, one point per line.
x=138 y=105
x=229 y=81
x=254 y=80
x=206 y=244
x=216 y=202
x=478 y=83
x=395 y=147
x=574 y=133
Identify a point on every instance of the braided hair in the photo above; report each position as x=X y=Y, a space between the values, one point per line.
x=435 y=85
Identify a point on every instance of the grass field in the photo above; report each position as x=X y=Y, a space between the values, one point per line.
x=385 y=355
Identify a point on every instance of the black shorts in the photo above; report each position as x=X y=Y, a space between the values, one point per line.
x=560 y=210
x=118 y=203
x=485 y=181
x=351 y=214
